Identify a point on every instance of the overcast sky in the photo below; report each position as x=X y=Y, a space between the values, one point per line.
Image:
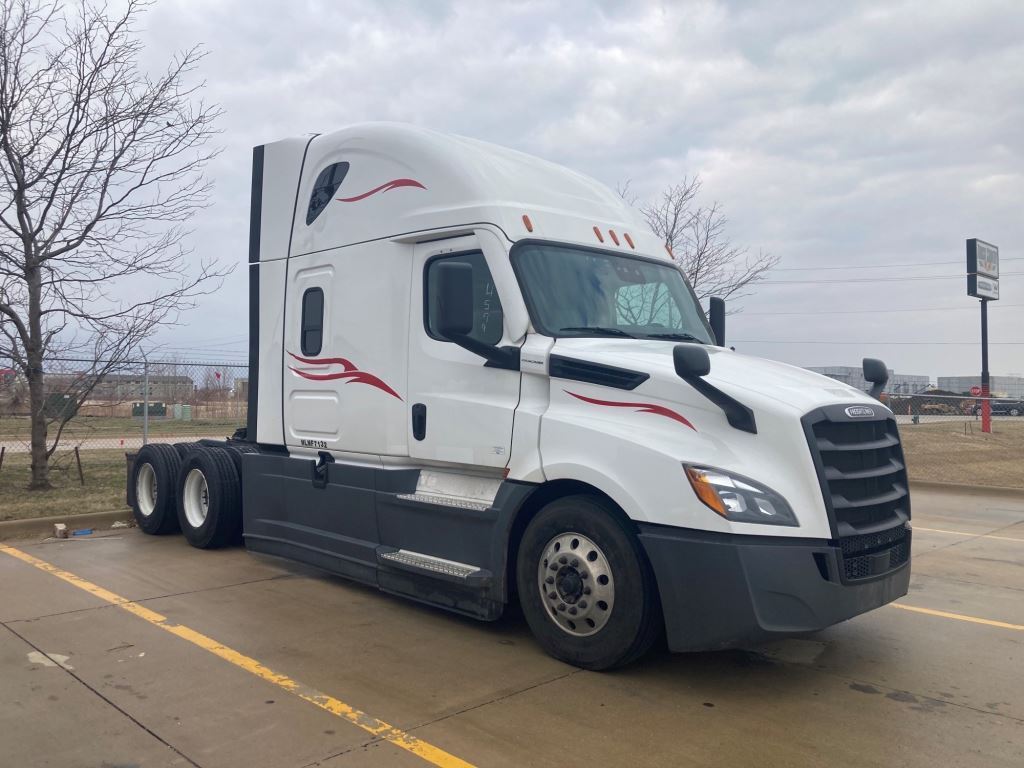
x=835 y=134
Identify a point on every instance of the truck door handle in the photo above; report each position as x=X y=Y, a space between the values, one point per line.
x=419 y=421
x=324 y=459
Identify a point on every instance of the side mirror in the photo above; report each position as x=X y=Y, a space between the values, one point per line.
x=454 y=300
x=455 y=316
x=875 y=372
x=691 y=361
x=717 y=317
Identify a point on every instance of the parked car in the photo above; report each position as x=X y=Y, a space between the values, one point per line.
x=1006 y=407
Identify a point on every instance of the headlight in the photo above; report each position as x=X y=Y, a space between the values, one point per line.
x=738 y=499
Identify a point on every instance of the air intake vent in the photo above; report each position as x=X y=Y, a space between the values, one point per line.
x=595 y=373
x=863 y=479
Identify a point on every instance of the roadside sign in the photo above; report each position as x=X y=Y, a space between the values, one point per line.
x=982 y=287
x=982 y=270
x=975 y=391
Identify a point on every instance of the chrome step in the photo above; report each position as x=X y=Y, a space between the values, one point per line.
x=445 y=500
x=429 y=563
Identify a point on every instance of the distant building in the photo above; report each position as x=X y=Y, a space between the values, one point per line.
x=128 y=387
x=1000 y=386
x=899 y=383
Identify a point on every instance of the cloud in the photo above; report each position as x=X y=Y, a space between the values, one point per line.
x=855 y=133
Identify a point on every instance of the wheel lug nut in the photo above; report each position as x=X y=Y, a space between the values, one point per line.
x=561 y=607
x=583 y=603
x=552 y=595
x=553 y=567
x=575 y=563
x=549 y=580
x=573 y=610
x=584 y=575
x=563 y=559
x=586 y=590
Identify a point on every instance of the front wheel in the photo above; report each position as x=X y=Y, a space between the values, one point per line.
x=586 y=589
x=1015 y=411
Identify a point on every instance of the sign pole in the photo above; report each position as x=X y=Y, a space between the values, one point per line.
x=983 y=284
x=986 y=403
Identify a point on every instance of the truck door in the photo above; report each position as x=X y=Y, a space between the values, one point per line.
x=461 y=411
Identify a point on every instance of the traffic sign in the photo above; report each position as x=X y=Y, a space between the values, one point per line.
x=975 y=391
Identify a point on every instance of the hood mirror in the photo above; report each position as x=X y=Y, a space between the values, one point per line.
x=691 y=360
x=692 y=364
x=875 y=372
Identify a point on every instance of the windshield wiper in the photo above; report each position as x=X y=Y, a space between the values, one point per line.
x=601 y=330
x=682 y=336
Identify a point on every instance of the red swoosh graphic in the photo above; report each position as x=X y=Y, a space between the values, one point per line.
x=348 y=365
x=641 y=408
x=393 y=184
x=351 y=372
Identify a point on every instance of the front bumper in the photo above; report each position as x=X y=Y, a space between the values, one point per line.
x=723 y=591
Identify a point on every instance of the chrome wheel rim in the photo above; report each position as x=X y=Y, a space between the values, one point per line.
x=576 y=584
x=145 y=489
x=196 y=498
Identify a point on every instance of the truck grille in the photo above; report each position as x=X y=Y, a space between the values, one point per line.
x=864 y=483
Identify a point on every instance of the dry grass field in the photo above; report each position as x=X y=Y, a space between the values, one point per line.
x=103 y=491
x=959 y=452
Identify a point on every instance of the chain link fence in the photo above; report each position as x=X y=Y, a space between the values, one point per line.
x=142 y=401
x=943 y=439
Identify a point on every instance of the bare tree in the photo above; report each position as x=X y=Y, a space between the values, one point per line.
x=696 y=237
x=101 y=169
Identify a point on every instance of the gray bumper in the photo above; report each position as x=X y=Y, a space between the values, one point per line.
x=721 y=591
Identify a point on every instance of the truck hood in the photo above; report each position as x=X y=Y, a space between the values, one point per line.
x=754 y=381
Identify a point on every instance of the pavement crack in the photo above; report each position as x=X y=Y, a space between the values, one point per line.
x=99 y=695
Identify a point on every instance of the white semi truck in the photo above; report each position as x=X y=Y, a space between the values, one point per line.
x=476 y=376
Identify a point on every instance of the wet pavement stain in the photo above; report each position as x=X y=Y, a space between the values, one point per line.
x=864 y=688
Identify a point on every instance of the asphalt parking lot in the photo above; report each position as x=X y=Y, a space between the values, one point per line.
x=225 y=659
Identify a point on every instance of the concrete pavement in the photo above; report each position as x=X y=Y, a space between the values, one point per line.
x=894 y=687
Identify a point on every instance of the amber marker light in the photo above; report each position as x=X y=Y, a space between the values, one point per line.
x=704 y=490
x=629 y=240
x=615 y=238
x=527 y=223
x=600 y=237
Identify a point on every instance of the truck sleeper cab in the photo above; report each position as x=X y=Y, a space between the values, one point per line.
x=476 y=376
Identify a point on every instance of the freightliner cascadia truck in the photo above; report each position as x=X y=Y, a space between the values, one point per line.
x=478 y=377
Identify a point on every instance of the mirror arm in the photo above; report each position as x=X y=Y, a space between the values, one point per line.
x=506 y=358
x=736 y=413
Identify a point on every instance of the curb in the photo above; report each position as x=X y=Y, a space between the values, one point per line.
x=43 y=526
x=998 y=491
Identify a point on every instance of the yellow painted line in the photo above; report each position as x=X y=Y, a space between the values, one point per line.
x=971 y=535
x=379 y=728
x=959 y=617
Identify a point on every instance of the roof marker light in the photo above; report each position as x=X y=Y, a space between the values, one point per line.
x=615 y=238
x=600 y=237
x=629 y=240
x=527 y=223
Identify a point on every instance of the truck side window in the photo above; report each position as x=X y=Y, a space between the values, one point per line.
x=487 y=314
x=326 y=185
x=312 y=336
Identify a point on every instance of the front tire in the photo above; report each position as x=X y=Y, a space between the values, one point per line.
x=209 y=499
x=154 y=477
x=585 y=587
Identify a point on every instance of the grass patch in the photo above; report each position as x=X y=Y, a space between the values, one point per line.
x=959 y=452
x=104 y=472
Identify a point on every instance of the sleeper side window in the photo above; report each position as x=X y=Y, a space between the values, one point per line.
x=312 y=336
x=487 y=315
x=324 y=187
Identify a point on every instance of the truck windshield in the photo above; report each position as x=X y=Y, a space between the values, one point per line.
x=578 y=292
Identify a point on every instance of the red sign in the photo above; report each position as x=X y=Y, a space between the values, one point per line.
x=975 y=391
